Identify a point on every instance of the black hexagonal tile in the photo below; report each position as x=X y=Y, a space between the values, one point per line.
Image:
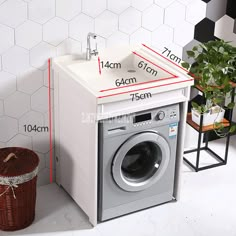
x=204 y=31
x=206 y=1
x=231 y=9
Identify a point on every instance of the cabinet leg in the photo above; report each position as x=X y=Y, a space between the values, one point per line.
x=198 y=150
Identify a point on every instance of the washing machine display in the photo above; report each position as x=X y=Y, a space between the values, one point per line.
x=143 y=117
x=136 y=161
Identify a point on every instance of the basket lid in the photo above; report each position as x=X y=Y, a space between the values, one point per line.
x=15 y=161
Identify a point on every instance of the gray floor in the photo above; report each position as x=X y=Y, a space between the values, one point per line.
x=207 y=207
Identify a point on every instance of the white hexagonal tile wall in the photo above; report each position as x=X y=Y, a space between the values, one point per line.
x=68 y=9
x=185 y=2
x=175 y=14
x=68 y=46
x=8 y=40
x=106 y=24
x=29 y=34
x=39 y=100
x=1 y=108
x=2 y=145
x=55 y=31
x=41 y=142
x=162 y=37
x=17 y=104
x=141 y=4
x=234 y=26
x=47 y=159
x=196 y=11
x=8 y=127
x=7 y=84
x=93 y=8
x=30 y=81
x=118 y=38
x=30 y=118
x=41 y=10
x=130 y=20
x=224 y=28
x=141 y=36
x=13 y=12
x=40 y=54
x=153 y=17
x=163 y=3
x=20 y=141
x=42 y=161
x=15 y=60
x=77 y=29
x=183 y=33
x=118 y=6
x=176 y=49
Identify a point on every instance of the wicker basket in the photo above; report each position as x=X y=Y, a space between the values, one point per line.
x=18 y=177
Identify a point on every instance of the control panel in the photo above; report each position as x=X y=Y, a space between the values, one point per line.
x=141 y=120
x=156 y=116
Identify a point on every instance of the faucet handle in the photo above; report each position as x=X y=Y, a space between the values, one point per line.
x=95 y=51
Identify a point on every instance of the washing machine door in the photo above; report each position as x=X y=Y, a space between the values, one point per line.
x=141 y=161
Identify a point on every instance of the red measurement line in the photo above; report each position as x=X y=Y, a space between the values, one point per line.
x=161 y=85
x=50 y=120
x=99 y=66
x=131 y=85
x=170 y=61
x=155 y=64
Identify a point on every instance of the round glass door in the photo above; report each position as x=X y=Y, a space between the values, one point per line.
x=141 y=161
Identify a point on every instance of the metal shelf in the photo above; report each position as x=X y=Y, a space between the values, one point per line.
x=206 y=129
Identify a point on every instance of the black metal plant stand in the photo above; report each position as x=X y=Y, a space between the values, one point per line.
x=206 y=129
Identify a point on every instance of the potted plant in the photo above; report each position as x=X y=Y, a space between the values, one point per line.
x=214 y=72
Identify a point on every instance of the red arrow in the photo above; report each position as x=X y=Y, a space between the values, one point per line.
x=175 y=76
x=99 y=66
x=50 y=120
x=140 y=89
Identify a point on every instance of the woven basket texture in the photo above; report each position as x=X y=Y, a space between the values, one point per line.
x=17 y=213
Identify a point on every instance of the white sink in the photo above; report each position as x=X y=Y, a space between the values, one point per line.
x=132 y=65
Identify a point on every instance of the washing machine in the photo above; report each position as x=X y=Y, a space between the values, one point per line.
x=136 y=161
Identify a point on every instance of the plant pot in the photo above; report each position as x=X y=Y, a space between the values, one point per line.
x=210 y=117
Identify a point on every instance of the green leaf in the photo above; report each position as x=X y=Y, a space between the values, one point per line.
x=195 y=48
x=190 y=53
x=185 y=65
x=221 y=50
x=195 y=106
x=231 y=105
x=232 y=129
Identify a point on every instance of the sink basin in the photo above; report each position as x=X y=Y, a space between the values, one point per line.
x=120 y=67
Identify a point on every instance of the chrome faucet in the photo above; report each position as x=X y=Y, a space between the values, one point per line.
x=89 y=52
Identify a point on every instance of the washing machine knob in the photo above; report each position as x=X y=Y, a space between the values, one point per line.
x=160 y=115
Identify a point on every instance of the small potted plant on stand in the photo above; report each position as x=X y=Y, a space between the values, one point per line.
x=214 y=72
